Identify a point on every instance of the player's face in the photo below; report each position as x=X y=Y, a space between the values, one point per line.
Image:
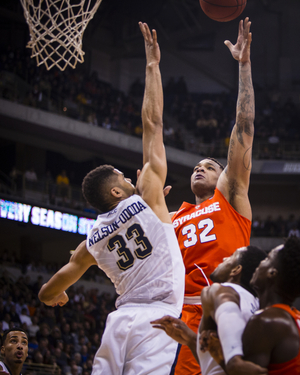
x=222 y=272
x=205 y=175
x=15 y=348
x=259 y=278
x=125 y=183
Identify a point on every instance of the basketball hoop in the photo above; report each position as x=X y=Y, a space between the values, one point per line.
x=56 y=29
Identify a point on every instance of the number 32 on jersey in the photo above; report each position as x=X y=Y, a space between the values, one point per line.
x=190 y=231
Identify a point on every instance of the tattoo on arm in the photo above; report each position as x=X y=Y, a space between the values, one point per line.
x=230 y=151
x=247 y=159
x=245 y=108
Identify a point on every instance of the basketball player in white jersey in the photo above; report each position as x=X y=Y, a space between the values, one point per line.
x=14 y=351
x=227 y=306
x=134 y=242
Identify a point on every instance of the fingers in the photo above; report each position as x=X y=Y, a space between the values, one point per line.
x=145 y=31
x=154 y=36
x=241 y=28
x=150 y=38
x=164 y=319
x=167 y=190
x=163 y=328
x=228 y=44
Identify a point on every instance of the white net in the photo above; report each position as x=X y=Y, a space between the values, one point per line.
x=56 y=29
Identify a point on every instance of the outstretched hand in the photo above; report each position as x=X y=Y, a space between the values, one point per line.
x=151 y=45
x=175 y=328
x=241 y=50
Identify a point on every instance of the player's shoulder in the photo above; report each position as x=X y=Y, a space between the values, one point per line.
x=217 y=289
x=270 y=318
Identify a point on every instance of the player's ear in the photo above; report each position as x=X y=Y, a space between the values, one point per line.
x=272 y=272
x=236 y=270
x=116 y=192
x=2 y=350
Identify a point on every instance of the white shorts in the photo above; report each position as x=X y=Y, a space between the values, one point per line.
x=131 y=346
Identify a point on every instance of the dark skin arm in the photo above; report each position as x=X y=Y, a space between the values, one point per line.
x=276 y=338
x=234 y=180
x=212 y=297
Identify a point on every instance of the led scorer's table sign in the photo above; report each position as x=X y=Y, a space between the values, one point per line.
x=44 y=217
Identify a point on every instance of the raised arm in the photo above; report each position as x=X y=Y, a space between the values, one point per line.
x=153 y=175
x=234 y=181
x=53 y=292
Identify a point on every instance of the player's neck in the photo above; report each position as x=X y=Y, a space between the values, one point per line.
x=269 y=298
x=200 y=198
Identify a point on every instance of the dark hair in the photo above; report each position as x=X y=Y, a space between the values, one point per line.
x=250 y=260
x=216 y=161
x=6 y=332
x=288 y=266
x=94 y=187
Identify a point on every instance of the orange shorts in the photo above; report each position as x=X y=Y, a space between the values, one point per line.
x=186 y=362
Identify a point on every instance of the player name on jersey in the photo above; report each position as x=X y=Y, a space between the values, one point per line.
x=128 y=212
x=206 y=210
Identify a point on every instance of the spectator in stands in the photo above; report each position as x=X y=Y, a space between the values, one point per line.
x=14 y=316
x=20 y=304
x=44 y=331
x=30 y=177
x=55 y=336
x=34 y=327
x=66 y=334
x=92 y=119
x=14 y=351
x=168 y=134
x=62 y=178
x=106 y=124
x=49 y=318
x=24 y=318
x=6 y=322
x=38 y=357
x=61 y=358
x=63 y=183
x=294 y=231
x=43 y=347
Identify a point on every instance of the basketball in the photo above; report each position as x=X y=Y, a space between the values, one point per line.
x=223 y=10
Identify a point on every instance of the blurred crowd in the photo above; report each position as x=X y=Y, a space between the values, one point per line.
x=209 y=118
x=279 y=227
x=65 y=337
x=10 y=259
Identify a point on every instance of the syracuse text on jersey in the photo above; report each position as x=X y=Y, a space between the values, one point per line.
x=128 y=212
x=206 y=210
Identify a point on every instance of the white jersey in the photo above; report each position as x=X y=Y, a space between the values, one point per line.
x=4 y=368
x=139 y=253
x=248 y=305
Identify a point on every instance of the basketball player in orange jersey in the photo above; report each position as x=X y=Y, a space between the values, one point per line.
x=272 y=335
x=220 y=222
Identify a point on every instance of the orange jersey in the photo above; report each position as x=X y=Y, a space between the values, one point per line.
x=207 y=233
x=291 y=367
